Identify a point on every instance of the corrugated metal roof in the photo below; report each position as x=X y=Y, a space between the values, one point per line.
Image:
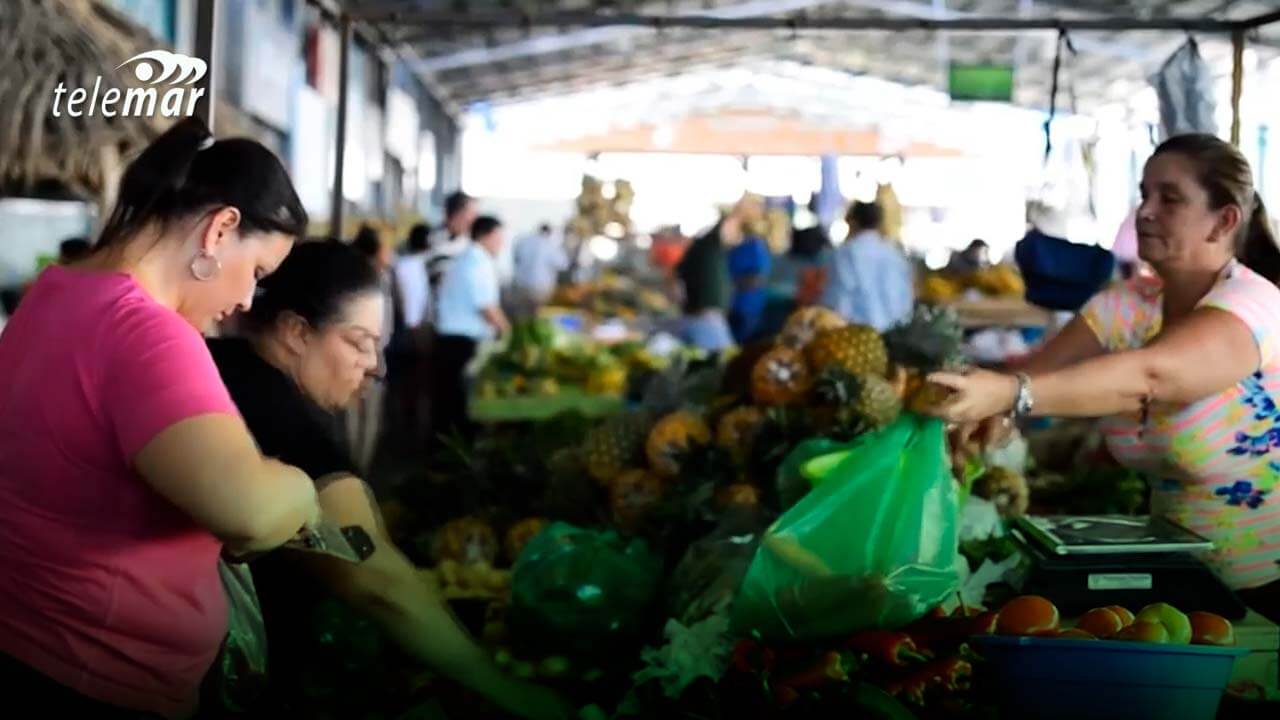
x=498 y=51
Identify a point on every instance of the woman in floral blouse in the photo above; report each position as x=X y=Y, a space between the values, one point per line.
x=1184 y=367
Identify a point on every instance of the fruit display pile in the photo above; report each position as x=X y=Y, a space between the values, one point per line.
x=934 y=667
x=615 y=296
x=686 y=477
x=1002 y=281
x=611 y=557
x=541 y=360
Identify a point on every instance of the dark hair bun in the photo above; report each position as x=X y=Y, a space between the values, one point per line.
x=313 y=282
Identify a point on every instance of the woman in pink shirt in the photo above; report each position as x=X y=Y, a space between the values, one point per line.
x=1184 y=367
x=125 y=470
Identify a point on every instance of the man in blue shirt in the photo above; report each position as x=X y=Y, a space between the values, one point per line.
x=468 y=312
x=869 y=279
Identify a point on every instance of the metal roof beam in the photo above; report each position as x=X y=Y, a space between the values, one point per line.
x=602 y=30
x=1261 y=20
x=722 y=20
x=755 y=15
x=533 y=77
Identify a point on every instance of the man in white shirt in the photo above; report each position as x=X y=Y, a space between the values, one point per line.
x=539 y=260
x=412 y=281
x=448 y=242
x=407 y=368
x=869 y=279
x=468 y=312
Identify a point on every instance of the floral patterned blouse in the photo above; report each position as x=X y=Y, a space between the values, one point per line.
x=1214 y=464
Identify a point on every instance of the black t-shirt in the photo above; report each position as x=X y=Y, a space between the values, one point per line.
x=287 y=426
x=704 y=270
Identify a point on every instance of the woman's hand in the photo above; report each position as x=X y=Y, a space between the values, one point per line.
x=977 y=395
x=972 y=439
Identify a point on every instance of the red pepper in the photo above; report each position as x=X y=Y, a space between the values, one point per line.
x=829 y=668
x=751 y=657
x=948 y=674
x=984 y=623
x=892 y=648
x=909 y=689
x=784 y=695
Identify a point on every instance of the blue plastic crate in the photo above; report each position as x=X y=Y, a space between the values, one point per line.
x=1102 y=679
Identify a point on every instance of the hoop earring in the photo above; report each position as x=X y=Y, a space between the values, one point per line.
x=205 y=266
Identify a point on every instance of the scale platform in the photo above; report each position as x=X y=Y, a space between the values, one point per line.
x=1090 y=561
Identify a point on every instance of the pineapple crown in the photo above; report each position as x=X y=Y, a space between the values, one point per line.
x=931 y=340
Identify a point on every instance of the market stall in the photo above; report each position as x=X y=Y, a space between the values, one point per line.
x=782 y=536
x=788 y=534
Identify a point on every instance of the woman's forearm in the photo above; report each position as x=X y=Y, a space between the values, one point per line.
x=283 y=501
x=417 y=619
x=1105 y=385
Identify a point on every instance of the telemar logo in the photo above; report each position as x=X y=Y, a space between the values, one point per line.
x=169 y=82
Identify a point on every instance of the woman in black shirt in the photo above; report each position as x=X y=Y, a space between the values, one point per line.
x=311 y=341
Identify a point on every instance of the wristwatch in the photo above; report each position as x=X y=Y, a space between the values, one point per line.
x=1023 y=402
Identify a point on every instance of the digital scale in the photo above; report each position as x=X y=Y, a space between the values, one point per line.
x=1084 y=562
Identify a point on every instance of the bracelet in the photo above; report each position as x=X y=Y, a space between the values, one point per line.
x=1023 y=402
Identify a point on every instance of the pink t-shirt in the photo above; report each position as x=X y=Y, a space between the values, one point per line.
x=106 y=587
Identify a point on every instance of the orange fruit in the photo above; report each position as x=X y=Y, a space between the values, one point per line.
x=1145 y=631
x=1126 y=617
x=1075 y=634
x=1027 y=615
x=1101 y=622
x=1210 y=629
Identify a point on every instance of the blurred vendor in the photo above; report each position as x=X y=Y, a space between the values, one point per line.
x=869 y=280
x=973 y=258
x=748 y=267
x=703 y=273
x=469 y=313
x=449 y=240
x=1184 y=367
x=539 y=260
x=312 y=344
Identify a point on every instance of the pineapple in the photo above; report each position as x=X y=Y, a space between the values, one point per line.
x=927 y=397
x=781 y=377
x=857 y=349
x=737 y=431
x=519 y=535
x=804 y=324
x=930 y=341
x=740 y=494
x=614 y=446
x=632 y=496
x=671 y=438
x=877 y=403
x=853 y=403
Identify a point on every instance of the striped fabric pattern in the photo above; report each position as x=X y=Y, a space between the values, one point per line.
x=1213 y=465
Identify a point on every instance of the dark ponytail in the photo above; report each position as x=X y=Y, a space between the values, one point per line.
x=1259 y=250
x=185 y=172
x=314 y=282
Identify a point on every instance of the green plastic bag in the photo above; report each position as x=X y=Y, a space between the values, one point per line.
x=582 y=593
x=873 y=544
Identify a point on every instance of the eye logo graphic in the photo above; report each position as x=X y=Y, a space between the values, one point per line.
x=174 y=68
x=169 y=79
